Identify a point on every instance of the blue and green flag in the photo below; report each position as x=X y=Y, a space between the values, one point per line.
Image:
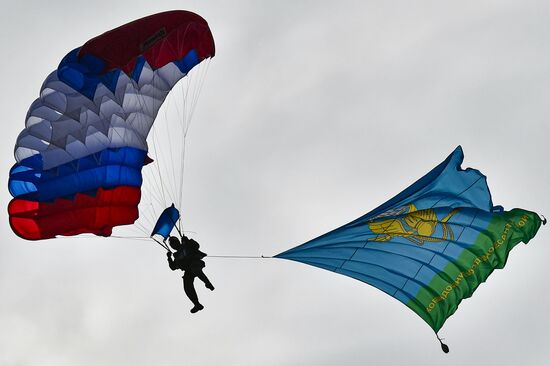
x=430 y=246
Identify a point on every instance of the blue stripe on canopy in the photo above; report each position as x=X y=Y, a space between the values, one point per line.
x=188 y=62
x=106 y=169
x=86 y=73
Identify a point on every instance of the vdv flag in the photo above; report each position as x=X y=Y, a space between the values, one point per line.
x=430 y=246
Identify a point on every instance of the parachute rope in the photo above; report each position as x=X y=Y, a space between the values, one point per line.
x=157 y=165
x=240 y=256
x=148 y=239
x=164 y=183
x=202 y=71
x=159 y=187
x=171 y=148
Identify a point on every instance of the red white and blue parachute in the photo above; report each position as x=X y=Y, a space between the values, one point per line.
x=80 y=156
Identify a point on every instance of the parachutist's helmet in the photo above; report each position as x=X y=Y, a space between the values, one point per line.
x=174 y=243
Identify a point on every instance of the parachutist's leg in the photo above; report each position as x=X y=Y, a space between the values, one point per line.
x=189 y=289
x=200 y=274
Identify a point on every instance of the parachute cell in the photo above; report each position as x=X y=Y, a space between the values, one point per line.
x=430 y=246
x=84 y=142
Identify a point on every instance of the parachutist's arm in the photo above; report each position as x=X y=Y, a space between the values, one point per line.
x=171 y=262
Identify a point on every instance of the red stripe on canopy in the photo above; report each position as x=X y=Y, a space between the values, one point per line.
x=85 y=213
x=161 y=38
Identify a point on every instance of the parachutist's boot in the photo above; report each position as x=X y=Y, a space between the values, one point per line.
x=209 y=286
x=197 y=307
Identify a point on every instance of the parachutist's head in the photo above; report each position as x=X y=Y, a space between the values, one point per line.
x=174 y=243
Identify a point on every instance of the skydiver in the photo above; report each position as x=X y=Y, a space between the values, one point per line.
x=188 y=258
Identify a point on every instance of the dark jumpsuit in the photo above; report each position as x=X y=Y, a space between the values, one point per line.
x=188 y=258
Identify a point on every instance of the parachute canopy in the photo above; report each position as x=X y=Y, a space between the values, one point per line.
x=430 y=246
x=80 y=156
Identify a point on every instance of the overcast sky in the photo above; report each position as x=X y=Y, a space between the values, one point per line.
x=312 y=114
